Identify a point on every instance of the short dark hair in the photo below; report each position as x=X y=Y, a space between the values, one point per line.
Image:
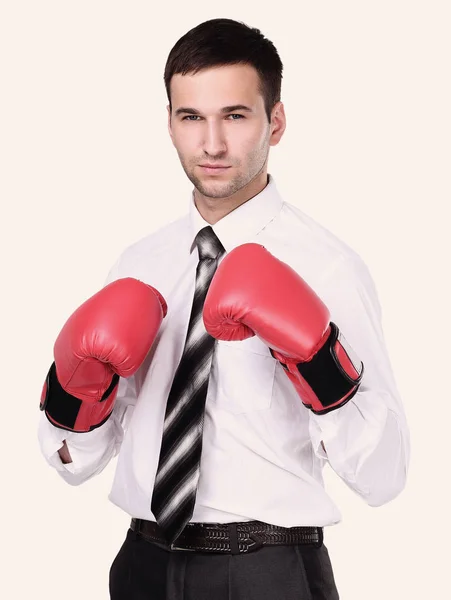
x=220 y=42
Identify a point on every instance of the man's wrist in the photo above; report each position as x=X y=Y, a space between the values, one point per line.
x=330 y=378
x=68 y=412
x=65 y=454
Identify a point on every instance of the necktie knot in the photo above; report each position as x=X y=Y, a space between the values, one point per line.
x=208 y=244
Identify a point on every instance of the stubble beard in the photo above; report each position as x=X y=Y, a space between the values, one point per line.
x=217 y=189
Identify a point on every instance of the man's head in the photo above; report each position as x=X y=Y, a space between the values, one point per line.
x=223 y=81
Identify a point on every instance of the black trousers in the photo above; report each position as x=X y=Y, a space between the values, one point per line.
x=145 y=571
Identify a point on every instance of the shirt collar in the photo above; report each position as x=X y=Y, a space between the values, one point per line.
x=242 y=224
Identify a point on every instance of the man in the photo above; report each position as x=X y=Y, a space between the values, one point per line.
x=231 y=355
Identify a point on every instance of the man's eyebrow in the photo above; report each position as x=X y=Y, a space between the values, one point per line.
x=186 y=110
x=226 y=109
x=234 y=107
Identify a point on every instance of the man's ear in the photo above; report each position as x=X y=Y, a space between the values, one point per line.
x=169 y=122
x=278 y=123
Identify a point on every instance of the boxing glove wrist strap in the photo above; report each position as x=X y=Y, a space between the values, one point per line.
x=69 y=412
x=330 y=378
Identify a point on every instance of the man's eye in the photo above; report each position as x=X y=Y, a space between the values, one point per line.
x=232 y=117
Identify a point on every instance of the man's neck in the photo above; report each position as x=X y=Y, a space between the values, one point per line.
x=213 y=210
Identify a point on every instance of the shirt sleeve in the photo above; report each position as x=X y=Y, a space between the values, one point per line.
x=91 y=451
x=366 y=441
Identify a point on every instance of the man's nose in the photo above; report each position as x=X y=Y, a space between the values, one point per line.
x=214 y=141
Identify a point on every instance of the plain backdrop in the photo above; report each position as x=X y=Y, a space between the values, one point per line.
x=87 y=168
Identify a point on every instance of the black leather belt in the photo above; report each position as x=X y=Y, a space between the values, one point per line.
x=230 y=538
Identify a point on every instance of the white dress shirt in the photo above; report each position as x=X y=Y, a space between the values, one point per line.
x=262 y=454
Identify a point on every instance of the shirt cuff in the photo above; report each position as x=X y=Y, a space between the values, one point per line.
x=349 y=432
x=89 y=451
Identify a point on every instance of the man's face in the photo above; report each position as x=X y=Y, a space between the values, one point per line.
x=219 y=128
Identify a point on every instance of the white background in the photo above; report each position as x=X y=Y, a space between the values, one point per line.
x=87 y=168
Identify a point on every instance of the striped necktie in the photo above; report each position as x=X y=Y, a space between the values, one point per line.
x=178 y=470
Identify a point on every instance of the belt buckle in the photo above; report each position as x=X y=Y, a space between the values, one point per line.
x=173 y=546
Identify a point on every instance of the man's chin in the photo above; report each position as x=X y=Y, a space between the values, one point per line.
x=217 y=189
x=216 y=194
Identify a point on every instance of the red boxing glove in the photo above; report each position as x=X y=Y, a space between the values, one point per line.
x=254 y=293
x=108 y=336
